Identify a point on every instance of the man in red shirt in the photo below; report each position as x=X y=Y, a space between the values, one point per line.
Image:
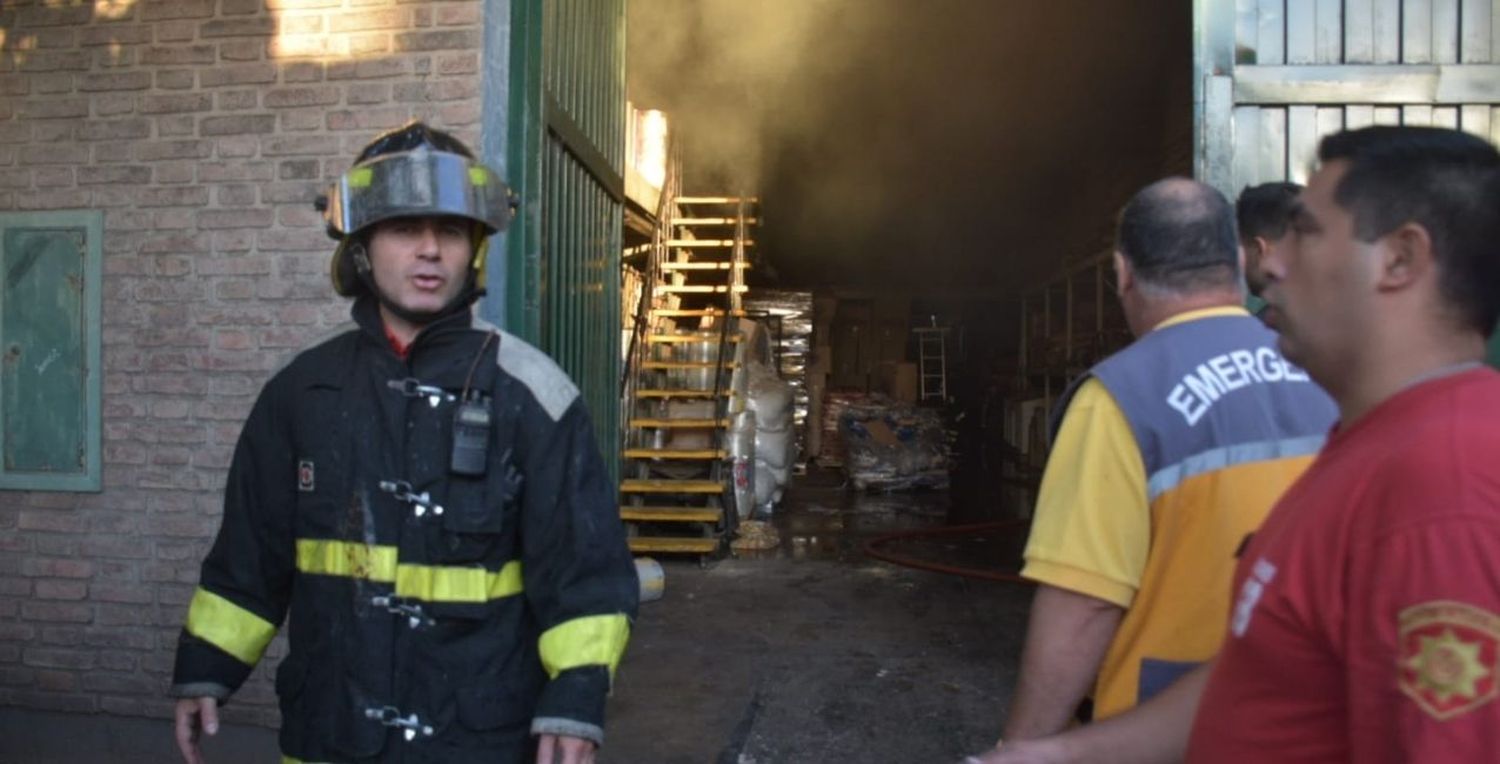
x=1367 y=617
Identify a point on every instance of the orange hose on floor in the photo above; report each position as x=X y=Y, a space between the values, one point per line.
x=871 y=548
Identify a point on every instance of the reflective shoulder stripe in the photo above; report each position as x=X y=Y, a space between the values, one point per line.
x=1167 y=478
x=596 y=640
x=429 y=583
x=432 y=583
x=540 y=374
x=228 y=626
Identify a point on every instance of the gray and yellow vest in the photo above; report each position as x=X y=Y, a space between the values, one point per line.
x=1224 y=425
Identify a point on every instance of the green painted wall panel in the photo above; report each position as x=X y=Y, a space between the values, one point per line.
x=50 y=351
x=566 y=160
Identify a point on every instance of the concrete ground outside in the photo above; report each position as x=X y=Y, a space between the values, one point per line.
x=808 y=653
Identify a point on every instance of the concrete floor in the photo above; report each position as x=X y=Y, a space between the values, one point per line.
x=811 y=652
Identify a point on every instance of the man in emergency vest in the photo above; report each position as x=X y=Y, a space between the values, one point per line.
x=1167 y=455
x=421 y=499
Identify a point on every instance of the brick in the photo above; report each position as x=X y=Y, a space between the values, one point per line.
x=43 y=567
x=238 y=146
x=459 y=63
x=94 y=83
x=55 y=200
x=179 y=55
x=311 y=240
x=175 y=172
x=128 y=639
x=61 y=590
x=176 y=31
x=55 y=131
x=220 y=172
x=234 y=196
x=259 y=26
x=53 y=657
x=53 y=177
x=54 y=15
x=15 y=132
x=52 y=84
x=114 y=549
x=361 y=93
x=54 y=108
x=175 y=79
x=62 y=636
x=57 y=612
x=298 y=169
x=167 y=456
x=110 y=614
x=119 y=173
x=435 y=90
x=126 y=593
x=56 y=545
x=242 y=218
x=305 y=46
x=459 y=14
x=170 y=243
x=240 y=7
x=301 y=24
x=114 y=34
x=369 y=44
x=383 y=118
x=277 y=98
x=300 y=217
x=192 y=196
x=113 y=151
x=239 y=74
x=169 y=409
x=118 y=57
x=295 y=120
x=54 y=61
x=370 y=69
x=237 y=100
x=117 y=660
x=114 y=129
x=460 y=114
x=365 y=20
x=242 y=50
x=162 y=10
x=54 y=38
x=421 y=17
x=301 y=145
x=14 y=85
x=176 y=103
x=302 y=71
x=55 y=522
x=196 y=149
x=56 y=681
x=244 y=124
x=11 y=586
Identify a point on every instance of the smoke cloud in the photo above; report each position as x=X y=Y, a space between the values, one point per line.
x=949 y=146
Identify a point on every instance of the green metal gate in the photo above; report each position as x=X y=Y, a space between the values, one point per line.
x=565 y=158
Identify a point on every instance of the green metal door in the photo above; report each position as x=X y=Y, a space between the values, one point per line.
x=565 y=158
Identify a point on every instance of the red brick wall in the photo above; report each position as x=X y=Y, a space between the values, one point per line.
x=203 y=129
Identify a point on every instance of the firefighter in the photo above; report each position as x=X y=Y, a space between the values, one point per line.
x=421 y=499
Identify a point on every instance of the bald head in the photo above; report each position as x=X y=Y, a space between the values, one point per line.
x=1178 y=236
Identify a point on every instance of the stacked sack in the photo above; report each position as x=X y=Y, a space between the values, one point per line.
x=769 y=401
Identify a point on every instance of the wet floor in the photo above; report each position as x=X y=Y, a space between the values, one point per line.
x=815 y=652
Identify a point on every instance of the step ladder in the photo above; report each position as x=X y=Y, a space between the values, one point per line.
x=677 y=486
x=932 y=356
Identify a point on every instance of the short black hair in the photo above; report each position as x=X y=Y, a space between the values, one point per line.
x=1448 y=182
x=1266 y=210
x=1179 y=234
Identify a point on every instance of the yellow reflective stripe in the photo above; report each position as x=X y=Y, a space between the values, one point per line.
x=228 y=626
x=446 y=584
x=596 y=640
x=346 y=558
x=430 y=583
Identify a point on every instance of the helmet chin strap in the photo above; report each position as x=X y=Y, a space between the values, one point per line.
x=461 y=301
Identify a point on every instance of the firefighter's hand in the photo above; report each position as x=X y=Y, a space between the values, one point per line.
x=195 y=715
x=561 y=749
x=1039 y=751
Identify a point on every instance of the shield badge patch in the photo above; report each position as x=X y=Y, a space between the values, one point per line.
x=1450 y=654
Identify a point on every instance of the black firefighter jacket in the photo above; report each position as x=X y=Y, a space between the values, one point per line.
x=433 y=616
